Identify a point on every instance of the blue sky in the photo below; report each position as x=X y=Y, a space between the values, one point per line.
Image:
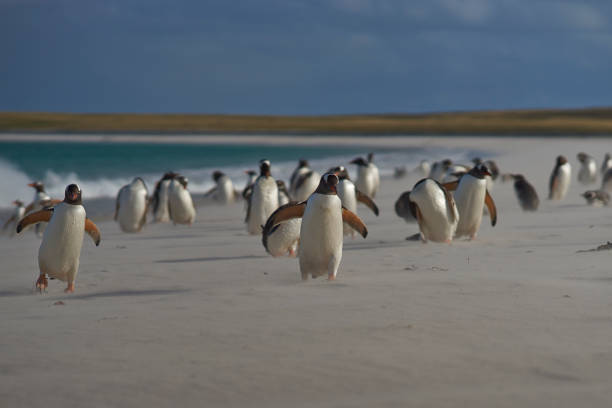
x=303 y=57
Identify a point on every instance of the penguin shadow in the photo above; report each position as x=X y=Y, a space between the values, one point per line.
x=380 y=245
x=130 y=292
x=14 y=293
x=211 y=259
x=182 y=236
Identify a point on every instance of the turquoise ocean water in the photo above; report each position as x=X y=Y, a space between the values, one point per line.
x=101 y=168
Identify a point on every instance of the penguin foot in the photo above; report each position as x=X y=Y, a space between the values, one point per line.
x=292 y=253
x=42 y=283
x=331 y=277
x=448 y=241
x=70 y=288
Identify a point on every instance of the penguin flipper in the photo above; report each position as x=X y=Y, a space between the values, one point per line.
x=364 y=199
x=6 y=224
x=284 y=213
x=43 y=215
x=491 y=207
x=210 y=192
x=93 y=231
x=354 y=221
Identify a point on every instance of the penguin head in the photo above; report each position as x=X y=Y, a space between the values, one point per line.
x=250 y=173
x=518 y=177
x=303 y=163
x=480 y=171
x=217 y=175
x=38 y=185
x=360 y=161
x=264 y=168
x=561 y=160
x=328 y=183
x=339 y=171
x=282 y=187
x=18 y=203
x=582 y=157
x=72 y=194
x=589 y=194
x=183 y=180
x=476 y=161
x=139 y=180
x=370 y=157
x=169 y=175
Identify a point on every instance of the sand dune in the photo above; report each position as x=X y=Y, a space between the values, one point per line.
x=202 y=316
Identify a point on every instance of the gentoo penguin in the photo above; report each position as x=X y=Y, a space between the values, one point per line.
x=560 y=179
x=606 y=164
x=321 y=234
x=526 y=194
x=349 y=195
x=596 y=198
x=439 y=169
x=304 y=185
x=252 y=176
x=263 y=199
x=368 y=179
x=159 y=200
x=223 y=192
x=131 y=206
x=180 y=203
x=18 y=213
x=588 y=169
x=435 y=211
x=422 y=169
x=606 y=183
x=283 y=239
x=58 y=256
x=302 y=167
x=471 y=195
x=41 y=200
x=454 y=172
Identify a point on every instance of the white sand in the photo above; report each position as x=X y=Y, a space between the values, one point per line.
x=200 y=316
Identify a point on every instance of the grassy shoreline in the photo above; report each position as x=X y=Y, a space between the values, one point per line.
x=575 y=122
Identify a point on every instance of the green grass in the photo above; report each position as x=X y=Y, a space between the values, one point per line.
x=594 y=121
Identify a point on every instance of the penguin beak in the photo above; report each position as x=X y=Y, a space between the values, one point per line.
x=32 y=185
x=72 y=195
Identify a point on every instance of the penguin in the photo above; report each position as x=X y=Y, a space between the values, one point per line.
x=560 y=179
x=596 y=198
x=606 y=183
x=60 y=249
x=368 y=179
x=435 y=211
x=252 y=176
x=159 y=200
x=223 y=192
x=321 y=233
x=18 y=213
x=305 y=184
x=454 y=172
x=349 y=195
x=399 y=172
x=180 y=203
x=588 y=169
x=283 y=239
x=302 y=167
x=423 y=169
x=526 y=194
x=41 y=200
x=471 y=195
x=606 y=163
x=131 y=206
x=263 y=199
x=439 y=169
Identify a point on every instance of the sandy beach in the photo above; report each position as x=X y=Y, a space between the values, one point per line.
x=202 y=316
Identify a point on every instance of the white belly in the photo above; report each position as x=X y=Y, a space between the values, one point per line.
x=321 y=236
x=60 y=249
x=438 y=221
x=264 y=202
x=469 y=197
x=180 y=203
x=366 y=181
x=132 y=206
x=307 y=188
x=285 y=238
x=225 y=191
x=346 y=193
x=564 y=177
x=161 y=214
x=588 y=172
